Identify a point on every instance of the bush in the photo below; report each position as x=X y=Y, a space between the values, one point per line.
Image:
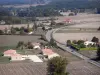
x=57 y=66
x=98 y=28
x=1 y=32
x=68 y=42
x=95 y=39
x=1 y=54
x=80 y=42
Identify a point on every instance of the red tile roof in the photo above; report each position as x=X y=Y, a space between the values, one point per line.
x=48 y=51
x=10 y=51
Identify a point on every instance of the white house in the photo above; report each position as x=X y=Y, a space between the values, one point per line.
x=16 y=57
x=2 y=22
x=13 y=54
x=88 y=43
x=36 y=45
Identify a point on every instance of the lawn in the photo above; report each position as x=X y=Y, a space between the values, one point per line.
x=89 y=48
x=4 y=48
x=77 y=47
x=21 y=52
x=4 y=60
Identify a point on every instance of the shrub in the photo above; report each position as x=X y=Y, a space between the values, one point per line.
x=1 y=32
x=68 y=43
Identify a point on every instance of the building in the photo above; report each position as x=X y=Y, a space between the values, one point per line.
x=2 y=22
x=13 y=54
x=49 y=53
x=88 y=43
x=36 y=45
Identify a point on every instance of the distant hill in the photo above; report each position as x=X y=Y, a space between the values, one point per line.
x=75 y=4
x=10 y=2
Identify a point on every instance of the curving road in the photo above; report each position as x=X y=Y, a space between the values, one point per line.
x=49 y=35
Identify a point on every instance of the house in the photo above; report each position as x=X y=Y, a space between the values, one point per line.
x=88 y=43
x=30 y=33
x=16 y=57
x=36 y=45
x=13 y=54
x=2 y=22
x=49 y=53
x=68 y=20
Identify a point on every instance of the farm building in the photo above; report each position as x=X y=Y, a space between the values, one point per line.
x=88 y=43
x=17 y=57
x=49 y=53
x=36 y=45
x=13 y=54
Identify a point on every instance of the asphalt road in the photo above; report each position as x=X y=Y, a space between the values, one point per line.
x=49 y=36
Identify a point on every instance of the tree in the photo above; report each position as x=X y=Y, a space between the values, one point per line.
x=29 y=45
x=80 y=42
x=71 y=14
x=95 y=39
x=52 y=22
x=1 y=32
x=5 y=30
x=52 y=43
x=22 y=30
x=34 y=26
x=98 y=52
x=68 y=42
x=20 y=45
x=57 y=66
x=99 y=29
x=74 y=41
x=13 y=31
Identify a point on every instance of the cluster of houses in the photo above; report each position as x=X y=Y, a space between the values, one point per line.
x=46 y=54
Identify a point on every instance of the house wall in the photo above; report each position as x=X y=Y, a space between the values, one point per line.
x=16 y=58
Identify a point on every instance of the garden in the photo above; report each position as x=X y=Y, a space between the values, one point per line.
x=83 y=45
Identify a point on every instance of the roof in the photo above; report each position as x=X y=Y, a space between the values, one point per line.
x=10 y=51
x=36 y=44
x=12 y=55
x=67 y=20
x=88 y=42
x=48 y=51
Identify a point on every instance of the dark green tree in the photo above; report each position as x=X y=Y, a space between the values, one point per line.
x=98 y=52
x=57 y=66
x=1 y=32
x=99 y=29
x=52 y=22
x=20 y=45
x=13 y=31
x=68 y=43
x=95 y=39
x=80 y=42
x=52 y=43
x=34 y=26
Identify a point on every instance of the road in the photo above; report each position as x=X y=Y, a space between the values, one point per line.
x=49 y=35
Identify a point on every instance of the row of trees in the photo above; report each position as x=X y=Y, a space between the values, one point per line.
x=22 y=45
x=16 y=30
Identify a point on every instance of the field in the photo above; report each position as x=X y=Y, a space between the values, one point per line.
x=63 y=37
x=31 y=68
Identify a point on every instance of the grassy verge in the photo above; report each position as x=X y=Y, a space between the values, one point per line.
x=89 y=48
x=21 y=52
x=4 y=60
x=4 y=48
x=77 y=47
